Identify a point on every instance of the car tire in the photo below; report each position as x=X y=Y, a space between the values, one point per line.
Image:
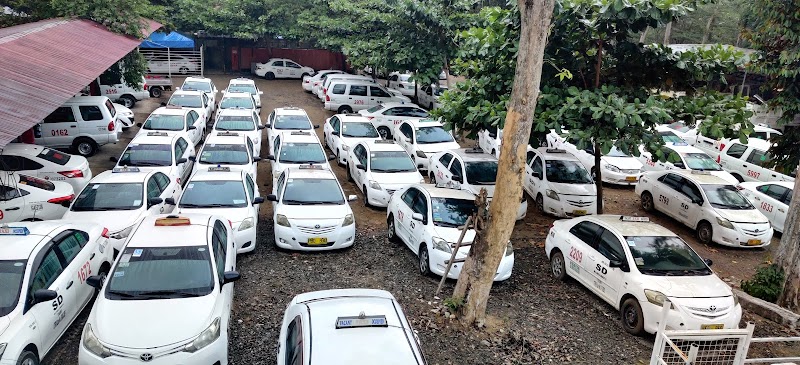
x=183 y=70
x=423 y=260
x=705 y=232
x=269 y=76
x=84 y=146
x=304 y=75
x=433 y=178
x=127 y=101
x=632 y=318
x=647 y=202
x=338 y=155
x=391 y=232
x=344 y=109
x=540 y=203
x=430 y=107
x=738 y=177
x=28 y=358
x=349 y=175
x=385 y=133
x=366 y=198
x=557 y=266
x=156 y=92
x=594 y=174
x=494 y=153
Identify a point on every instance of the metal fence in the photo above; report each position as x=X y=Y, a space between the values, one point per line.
x=173 y=61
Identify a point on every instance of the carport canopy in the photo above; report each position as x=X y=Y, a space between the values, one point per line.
x=42 y=64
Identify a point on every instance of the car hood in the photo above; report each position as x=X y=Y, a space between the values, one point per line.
x=5 y=321
x=400 y=99
x=725 y=176
x=623 y=163
x=742 y=216
x=352 y=141
x=574 y=189
x=312 y=212
x=397 y=178
x=476 y=189
x=121 y=218
x=232 y=214
x=151 y=323
x=431 y=148
x=451 y=234
x=707 y=286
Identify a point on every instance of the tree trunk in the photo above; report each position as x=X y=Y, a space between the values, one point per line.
x=643 y=37
x=667 y=33
x=789 y=254
x=486 y=252
x=707 y=33
x=598 y=176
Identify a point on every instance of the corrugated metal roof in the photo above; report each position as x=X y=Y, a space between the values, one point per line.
x=43 y=64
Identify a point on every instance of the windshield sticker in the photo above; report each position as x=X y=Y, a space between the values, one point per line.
x=133 y=145
x=18 y=264
x=639 y=261
x=437 y=216
x=211 y=145
x=372 y=155
x=137 y=202
x=118 y=274
x=290 y=180
x=95 y=187
x=123 y=264
x=238 y=201
x=125 y=258
x=631 y=243
x=137 y=252
x=190 y=186
x=201 y=249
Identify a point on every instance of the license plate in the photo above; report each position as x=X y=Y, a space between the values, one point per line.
x=630 y=178
x=315 y=241
x=753 y=242
x=712 y=326
x=579 y=212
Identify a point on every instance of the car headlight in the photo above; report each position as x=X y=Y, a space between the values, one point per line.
x=121 y=234
x=552 y=194
x=724 y=222
x=442 y=245
x=246 y=224
x=509 y=249
x=281 y=220
x=422 y=181
x=611 y=168
x=421 y=154
x=374 y=184
x=348 y=220
x=91 y=343
x=206 y=338
x=344 y=147
x=656 y=297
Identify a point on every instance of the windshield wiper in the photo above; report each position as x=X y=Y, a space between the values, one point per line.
x=447 y=224
x=143 y=164
x=205 y=205
x=656 y=271
x=94 y=209
x=302 y=162
x=318 y=202
x=391 y=170
x=224 y=163
x=168 y=293
x=121 y=294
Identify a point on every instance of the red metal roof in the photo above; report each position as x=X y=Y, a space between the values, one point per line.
x=43 y=64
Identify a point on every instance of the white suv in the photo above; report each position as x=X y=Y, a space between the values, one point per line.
x=83 y=123
x=348 y=96
x=748 y=162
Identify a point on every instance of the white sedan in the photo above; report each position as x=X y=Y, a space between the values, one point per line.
x=342 y=131
x=388 y=115
x=652 y=266
x=379 y=168
x=771 y=198
x=616 y=167
x=428 y=219
x=28 y=198
x=159 y=151
x=246 y=122
x=684 y=157
x=281 y=68
x=422 y=138
x=228 y=149
x=46 y=163
x=491 y=141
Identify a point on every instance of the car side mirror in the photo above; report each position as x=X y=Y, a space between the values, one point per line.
x=258 y=200
x=618 y=264
x=708 y=262
x=331 y=157
x=153 y=201
x=271 y=157
x=361 y=167
x=113 y=159
x=272 y=197
x=492 y=135
x=352 y=198
x=44 y=295
x=698 y=201
x=537 y=174
x=169 y=201
x=138 y=124
x=417 y=217
x=458 y=179
x=95 y=281
x=260 y=93
x=260 y=127
x=268 y=125
x=191 y=128
x=165 y=104
x=316 y=126
x=230 y=276
x=192 y=158
x=256 y=159
x=335 y=133
x=679 y=165
x=181 y=160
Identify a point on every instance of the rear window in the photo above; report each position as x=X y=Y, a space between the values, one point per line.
x=375 y=108
x=54 y=156
x=110 y=107
x=36 y=182
x=339 y=89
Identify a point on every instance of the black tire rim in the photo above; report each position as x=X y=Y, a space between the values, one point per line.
x=127 y=102
x=630 y=317
x=366 y=197
x=423 y=261
x=647 y=201
x=557 y=264
x=384 y=132
x=540 y=203
x=704 y=233
x=390 y=232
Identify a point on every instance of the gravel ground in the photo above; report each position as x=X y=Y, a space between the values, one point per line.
x=534 y=319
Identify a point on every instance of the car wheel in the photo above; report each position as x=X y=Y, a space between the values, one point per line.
x=738 y=177
x=349 y=175
x=632 y=318
x=325 y=142
x=424 y=261
x=28 y=358
x=366 y=197
x=540 y=203
x=430 y=107
x=433 y=179
x=338 y=158
x=269 y=76
x=85 y=147
x=494 y=152
x=705 y=232
x=127 y=101
x=156 y=92
x=594 y=174
x=557 y=265
x=647 y=201
x=183 y=70
x=304 y=75
x=385 y=133
x=344 y=109
x=391 y=233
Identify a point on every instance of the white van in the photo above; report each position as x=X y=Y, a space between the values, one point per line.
x=83 y=123
x=323 y=89
x=347 y=96
x=114 y=87
x=748 y=162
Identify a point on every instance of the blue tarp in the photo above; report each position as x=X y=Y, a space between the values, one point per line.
x=167 y=40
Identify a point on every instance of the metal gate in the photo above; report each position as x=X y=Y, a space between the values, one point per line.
x=174 y=61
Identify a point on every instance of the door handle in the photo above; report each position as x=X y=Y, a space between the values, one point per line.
x=744 y=165
x=73 y=126
x=69 y=285
x=12 y=208
x=781 y=210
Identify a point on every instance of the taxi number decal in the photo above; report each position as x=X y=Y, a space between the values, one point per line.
x=651 y=162
x=358 y=102
x=599 y=268
x=439 y=174
x=766 y=206
x=112 y=91
x=663 y=199
x=400 y=215
x=753 y=174
x=575 y=254
x=84 y=272
x=57 y=302
x=59 y=132
x=685 y=206
x=1 y=215
x=280 y=70
x=397 y=121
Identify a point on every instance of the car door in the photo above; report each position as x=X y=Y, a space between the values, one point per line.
x=182 y=151
x=250 y=183
x=57 y=129
x=403 y=217
x=665 y=189
x=405 y=139
x=417 y=228
x=12 y=201
x=577 y=247
x=169 y=189
x=153 y=190
x=332 y=128
x=357 y=97
x=292 y=69
x=758 y=160
x=50 y=273
x=769 y=201
x=686 y=206
x=377 y=95
x=193 y=119
x=81 y=262
x=279 y=69
x=208 y=106
x=783 y=211
x=733 y=161
x=225 y=260
x=360 y=155
x=455 y=172
x=605 y=280
x=91 y=120
x=439 y=167
x=535 y=176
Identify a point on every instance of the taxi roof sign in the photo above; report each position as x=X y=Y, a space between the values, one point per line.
x=219 y=169
x=701 y=172
x=310 y=167
x=173 y=106
x=361 y=321
x=555 y=150
x=680 y=144
x=301 y=133
x=475 y=149
x=627 y=218
x=227 y=133
x=159 y=134
x=125 y=169
x=14 y=231
x=172 y=220
x=448 y=185
x=384 y=141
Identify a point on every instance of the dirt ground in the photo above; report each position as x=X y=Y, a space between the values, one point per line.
x=535 y=319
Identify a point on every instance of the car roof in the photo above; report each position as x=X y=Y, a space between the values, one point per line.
x=426 y=122
x=203 y=174
x=307 y=172
x=161 y=138
x=393 y=104
x=173 y=110
x=23 y=149
x=472 y=154
x=626 y=228
x=700 y=177
x=13 y=247
x=188 y=92
x=111 y=177
x=550 y=154
x=225 y=137
x=86 y=100
x=231 y=94
x=352 y=118
x=753 y=184
x=443 y=192
x=241 y=80
x=756 y=143
x=195 y=78
x=236 y=111
x=290 y=136
x=290 y=110
x=378 y=145
x=149 y=235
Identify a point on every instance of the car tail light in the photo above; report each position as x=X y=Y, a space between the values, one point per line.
x=62 y=200
x=552 y=225
x=145 y=86
x=72 y=173
x=307 y=81
x=370 y=118
x=111 y=126
x=105 y=233
x=324 y=90
x=721 y=146
x=230 y=223
x=327 y=97
x=718 y=158
x=739 y=187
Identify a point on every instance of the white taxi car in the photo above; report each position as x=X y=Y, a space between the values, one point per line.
x=712 y=146
x=402 y=82
x=231 y=194
x=197 y=101
x=559 y=184
x=159 y=151
x=43 y=271
x=204 y=84
x=309 y=82
x=243 y=84
x=428 y=95
x=344 y=130
x=428 y=219
x=681 y=156
x=45 y=163
x=491 y=141
x=236 y=100
x=126 y=194
x=28 y=198
x=749 y=162
x=386 y=116
x=379 y=168
x=617 y=167
x=287 y=119
x=710 y=205
x=771 y=198
x=652 y=266
x=125 y=116
x=175 y=120
x=347 y=326
x=242 y=121
x=422 y=138
x=228 y=149
x=310 y=211
x=468 y=169
x=281 y=68
x=83 y=123
x=293 y=149
x=169 y=295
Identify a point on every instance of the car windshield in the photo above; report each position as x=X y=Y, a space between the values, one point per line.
x=700 y=161
x=161 y=273
x=146 y=155
x=436 y=134
x=197 y=86
x=237 y=103
x=726 y=197
x=98 y=197
x=481 y=172
x=312 y=191
x=405 y=78
x=11 y=274
x=391 y=161
x=213 y=194
x=302 y=153
x=161 y=122
x=567 y=172
x=359 y=130
x=451 y=212
x=670 y=137
x=375 y=108
x=438 y=91
x=224 y=154
x=186 y=101
x=235 y=123
x=242 y=88
x=54 y=156
x=665 y=255
x=615 y=152
x=293 y=122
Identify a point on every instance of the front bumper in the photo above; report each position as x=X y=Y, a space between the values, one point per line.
x=379 y=197
x=438 y=265
x=621 y=178
x=422 y=163
x=743 y=235
x=681 y=318
x=245 y=241
x=213 y=354
x=296 y=236
x=570 y=205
